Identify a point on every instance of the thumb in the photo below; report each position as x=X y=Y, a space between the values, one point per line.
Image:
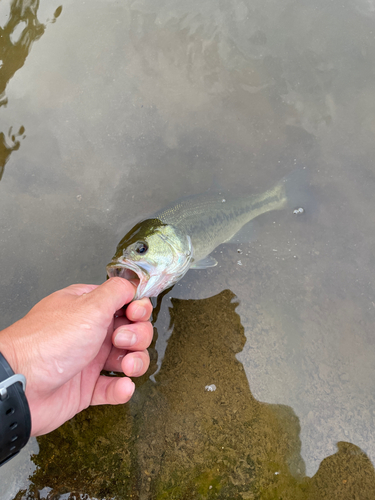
x=111 y=295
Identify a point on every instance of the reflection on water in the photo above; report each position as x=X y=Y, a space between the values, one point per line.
x=8 y=144
x=21 y=29
x=176 y=440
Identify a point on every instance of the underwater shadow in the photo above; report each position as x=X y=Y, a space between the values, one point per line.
x=195 y=431
x=202 y=434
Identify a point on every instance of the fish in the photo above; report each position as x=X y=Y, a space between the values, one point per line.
x=158 y=251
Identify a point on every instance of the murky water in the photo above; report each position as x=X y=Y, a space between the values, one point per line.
x=111 y=110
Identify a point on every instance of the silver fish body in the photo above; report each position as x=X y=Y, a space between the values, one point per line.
x=160 y=250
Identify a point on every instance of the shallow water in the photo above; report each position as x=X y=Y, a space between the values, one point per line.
x=116 y=109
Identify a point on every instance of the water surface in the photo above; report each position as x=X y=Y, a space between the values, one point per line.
x=112 y=110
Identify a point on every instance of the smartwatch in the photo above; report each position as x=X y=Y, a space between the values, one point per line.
x=15 y=418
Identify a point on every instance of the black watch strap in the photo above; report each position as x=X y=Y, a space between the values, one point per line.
x=15 y=419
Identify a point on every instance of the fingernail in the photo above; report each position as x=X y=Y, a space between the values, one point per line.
x=125 y=338
x=138 y=365
x=139 y=312
x=133 y=389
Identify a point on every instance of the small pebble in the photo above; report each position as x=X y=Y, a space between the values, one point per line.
x=210 y=388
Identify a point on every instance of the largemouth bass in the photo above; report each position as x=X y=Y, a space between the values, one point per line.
x=160 y=250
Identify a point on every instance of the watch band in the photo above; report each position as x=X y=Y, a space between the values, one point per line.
x=15 y=418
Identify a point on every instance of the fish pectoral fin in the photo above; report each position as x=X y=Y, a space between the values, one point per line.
x=204 y=263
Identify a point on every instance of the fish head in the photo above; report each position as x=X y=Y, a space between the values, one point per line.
x=153 y=255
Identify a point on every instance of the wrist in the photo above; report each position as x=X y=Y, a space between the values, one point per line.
x=8 y=350
x=18 y=347
x=15 y=415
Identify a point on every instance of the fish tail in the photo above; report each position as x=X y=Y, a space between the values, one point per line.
x=273 y=199
x=277 y=197
x=291 y=192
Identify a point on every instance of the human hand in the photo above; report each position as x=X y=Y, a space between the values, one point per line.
x=68 y=338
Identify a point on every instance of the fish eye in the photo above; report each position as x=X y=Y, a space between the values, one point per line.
x=141 y=247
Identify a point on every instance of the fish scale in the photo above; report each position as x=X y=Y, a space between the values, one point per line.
x=212 y=220
x=160 y=250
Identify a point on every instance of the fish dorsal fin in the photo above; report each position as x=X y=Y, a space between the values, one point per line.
x=204 y=263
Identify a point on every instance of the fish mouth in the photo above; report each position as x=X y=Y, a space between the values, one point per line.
x=129 y=271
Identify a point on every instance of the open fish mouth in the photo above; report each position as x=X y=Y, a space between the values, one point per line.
x=128 y=271
x=148 y=283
